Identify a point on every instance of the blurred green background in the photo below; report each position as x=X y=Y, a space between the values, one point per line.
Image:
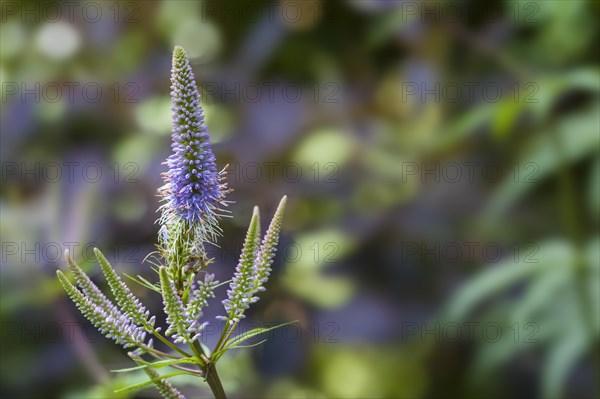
x=442 y=164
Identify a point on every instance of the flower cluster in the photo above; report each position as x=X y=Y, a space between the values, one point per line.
x=266 y=253
x=254 y=266
x=193 y=201
x=199 y=299
x=125 y=298
x=194 y=189
x=166 y=389
x=99 y=310
x=184 y=323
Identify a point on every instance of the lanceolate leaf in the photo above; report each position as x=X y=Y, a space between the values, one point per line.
x=254 y=332
x=143 y=282
x=236 y=341
x=154 y=380
x=157 y=365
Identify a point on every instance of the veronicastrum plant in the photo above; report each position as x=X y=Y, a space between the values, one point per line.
x=193 y=201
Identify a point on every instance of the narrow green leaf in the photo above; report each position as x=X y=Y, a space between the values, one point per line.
x=493 y=280
x=157 y=365
x=236 y=341
x=128 y=369
x=254 y=332
x=238 y=346
x=152 y=381
x=143 y=282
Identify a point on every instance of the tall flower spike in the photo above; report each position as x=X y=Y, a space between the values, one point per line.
x=194 y=189
x=126 y=300
x=166 y=389
x=117 y=327
x=90 y=289
x=242 y=283
x=199 y=300
x=266 y=254
x=177 y=316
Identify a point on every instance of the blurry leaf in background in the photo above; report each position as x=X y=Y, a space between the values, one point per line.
x=134 y=154
x=558 y=307
x=558 y=19
x=313 y=211
x=184 y=23
x=154 y=115
x=52 y=111
x=374 y=196
x=128 y=52
x=238 y=371
x=201 y=40
x=289 y=389
x=496 y=278
x=324 y=146
x=13 y=38
x=130 y=206
x=307 y=258
x=219 y=121
x=388 y=182
x=359 y=371
x=544 y=158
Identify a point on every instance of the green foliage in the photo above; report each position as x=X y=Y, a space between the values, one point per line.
x=235 y=342
x=561 y=306
x=128 y=321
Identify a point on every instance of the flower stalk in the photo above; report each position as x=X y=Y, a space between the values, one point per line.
x=194 y=198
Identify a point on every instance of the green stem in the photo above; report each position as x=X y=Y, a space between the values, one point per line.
x=157 y=352
x=212 y=378
x=169 y=344
x=227 y=331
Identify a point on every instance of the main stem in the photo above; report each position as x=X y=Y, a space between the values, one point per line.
x=210 y=372
x=212 y=377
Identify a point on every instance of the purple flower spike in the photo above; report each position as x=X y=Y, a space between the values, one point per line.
x=194 y=189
